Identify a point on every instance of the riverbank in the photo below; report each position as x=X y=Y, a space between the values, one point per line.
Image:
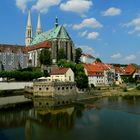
x=12 y=101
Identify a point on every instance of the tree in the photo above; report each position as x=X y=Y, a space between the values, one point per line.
x=78 y=69
x=78 y=55
x=2 y=66
x=98 y=60
x=61 y=54
x=45 y=57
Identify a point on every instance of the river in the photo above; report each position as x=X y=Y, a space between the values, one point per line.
x=113 y=118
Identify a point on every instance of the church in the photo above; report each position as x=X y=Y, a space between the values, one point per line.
x=54 y=39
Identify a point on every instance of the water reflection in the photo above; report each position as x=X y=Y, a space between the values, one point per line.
x=107 y=118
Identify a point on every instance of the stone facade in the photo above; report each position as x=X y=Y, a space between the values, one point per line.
x=55 y=93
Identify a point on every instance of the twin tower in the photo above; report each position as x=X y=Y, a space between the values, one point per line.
x=29 y=29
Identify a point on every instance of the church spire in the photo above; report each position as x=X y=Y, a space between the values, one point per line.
x=38 y=28
x=28 y=38
x=56 y=22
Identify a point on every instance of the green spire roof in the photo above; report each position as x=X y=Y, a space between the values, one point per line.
x=58 y=32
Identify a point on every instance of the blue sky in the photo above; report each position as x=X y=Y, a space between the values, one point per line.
x=109 y=29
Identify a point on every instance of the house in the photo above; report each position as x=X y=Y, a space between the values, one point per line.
x=62 y=74
x=99 y=74
x=87 y=58
x=118 y=72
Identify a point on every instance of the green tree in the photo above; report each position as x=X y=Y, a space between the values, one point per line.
x=61 y=54
x=78 y=53
x=78 y=69
x=98 y=60
x=45 y=57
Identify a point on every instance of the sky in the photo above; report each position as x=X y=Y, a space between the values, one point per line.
x=108 y=29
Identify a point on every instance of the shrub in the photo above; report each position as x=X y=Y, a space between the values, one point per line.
x=125 y=89
x=138 y=87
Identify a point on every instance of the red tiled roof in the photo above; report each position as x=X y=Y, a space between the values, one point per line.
x=96 y=69
x=119 y=70
x=45 y=44
x=129 y=70
x=57 y=70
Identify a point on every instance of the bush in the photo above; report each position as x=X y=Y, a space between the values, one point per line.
x=125 y=89
x=138 y=87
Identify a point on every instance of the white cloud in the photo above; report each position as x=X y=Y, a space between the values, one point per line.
x=130 y=57
x=77 y=6
x=43 y=5
x=93 y=35
x=89 y=35
x=135 y=24
x=89 y=22
x=83 y=33
x=88 y=50
x=116 y=56
x=112 y=12
x=22 y=4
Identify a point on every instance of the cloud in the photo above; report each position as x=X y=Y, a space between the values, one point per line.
x=43 y=5
x=88 y=50
x=89 y=35
x=77 y=6
x=130 y=57
x=93 y=35
x=83 y=33
x=22 y=4
x=89 y=22
x=116 y=56
x=135 y=24
x=112 y=12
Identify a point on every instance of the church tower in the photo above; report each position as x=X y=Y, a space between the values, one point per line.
x=38 y=28
x=29 y=34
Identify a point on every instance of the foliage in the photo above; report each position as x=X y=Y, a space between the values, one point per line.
x=61 y=54
x=138 y=87
x=125 y=89
x=129 y=79
x=78 y=69
x=45 y=57
x=98 y=60
x=21 y=75
x=78 y=54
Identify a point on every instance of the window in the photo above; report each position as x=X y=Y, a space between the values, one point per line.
x=62 y=88
x=58 y=88
x=39 y=88
x=47 y=88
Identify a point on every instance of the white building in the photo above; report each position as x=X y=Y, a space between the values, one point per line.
x=99 y=74
x=62 y=74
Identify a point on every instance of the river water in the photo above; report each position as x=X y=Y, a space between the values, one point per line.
x=104 y=119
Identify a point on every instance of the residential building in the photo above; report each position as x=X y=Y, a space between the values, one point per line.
x=99 y=74
x=62 y=74
x=12 y=57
